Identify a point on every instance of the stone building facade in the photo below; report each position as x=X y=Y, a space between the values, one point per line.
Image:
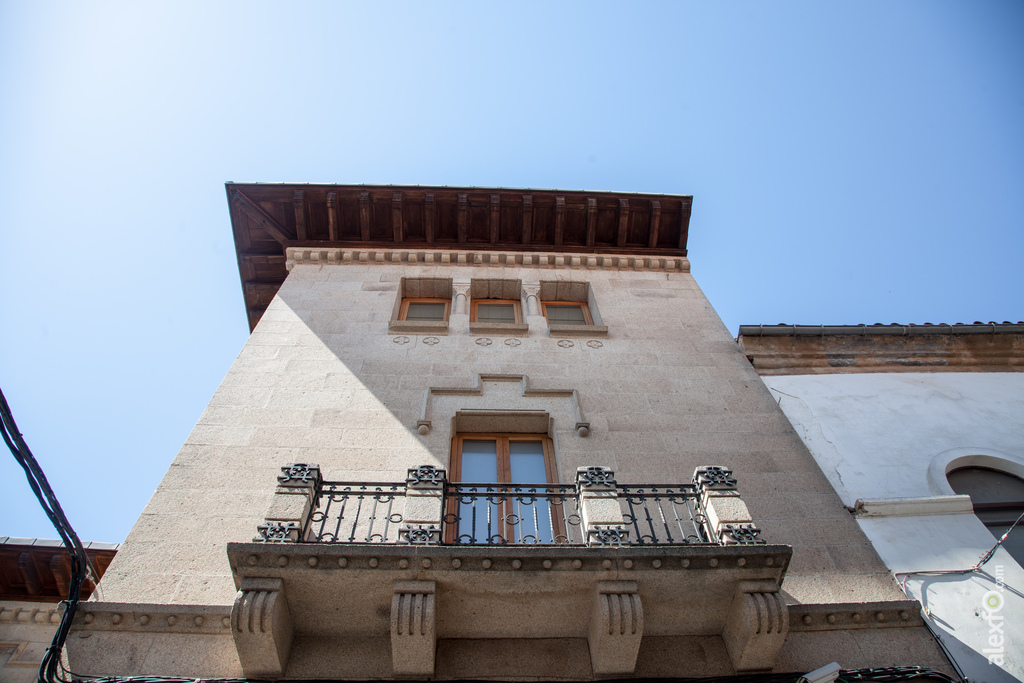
x=918 y=428
x=488 y=434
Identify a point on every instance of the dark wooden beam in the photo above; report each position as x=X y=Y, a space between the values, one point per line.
x=61 y=569
x=620 y=238
x=652 y=241
x=396 y=216
x=591 y=221
x=28 y=572
x=495 y=217
x=332 y=217
x=260 y=217
x=298 y=201
x=428 y=217
x=527 y=218
x=463 y=214
x=559 y=220
x=684 y=222
x=364 y=216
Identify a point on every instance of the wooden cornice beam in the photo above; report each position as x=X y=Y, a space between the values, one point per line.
x=462 y=217
x=28 y=572
x=495 y=217
x=260 y=217
x=364 y=216
x=559 y=220
x=620 y=237
x=527 y=218
x=60 y=567
x=428 y=217
x=396 y=216
x=591 y=221
x=298 y=201
x=652 y=241
x=332 y=217
x=684 y=222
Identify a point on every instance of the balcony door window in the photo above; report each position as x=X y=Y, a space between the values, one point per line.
x=504 y=490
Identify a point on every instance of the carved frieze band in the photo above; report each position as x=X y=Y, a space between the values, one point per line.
x=309 y=256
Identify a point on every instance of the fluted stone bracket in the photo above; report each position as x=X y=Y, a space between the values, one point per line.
x=262 y=627
x=616 y=628
x=413 y=628
x=756 y=627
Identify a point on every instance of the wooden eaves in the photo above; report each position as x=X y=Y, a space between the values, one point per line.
x=267 y=218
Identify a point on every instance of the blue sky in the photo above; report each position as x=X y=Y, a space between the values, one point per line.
x=850 y=162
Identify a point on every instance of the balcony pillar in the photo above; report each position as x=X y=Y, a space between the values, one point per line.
x=756 y=627
x=727 y=514
x=262 y=627
x=424 y=505
x=600 y=513
x=616 y=628
x=297 y=488
x=413 y=633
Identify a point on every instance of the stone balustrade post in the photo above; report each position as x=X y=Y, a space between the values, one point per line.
x=727 y=514
x=424 y=505
x=600 y=513
x=298 y=486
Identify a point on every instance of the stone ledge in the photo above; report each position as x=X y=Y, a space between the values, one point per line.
x=855 y=615
x=431 y=327
x=578 y=330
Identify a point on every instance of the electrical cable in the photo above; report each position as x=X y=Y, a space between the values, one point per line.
x=79 y=560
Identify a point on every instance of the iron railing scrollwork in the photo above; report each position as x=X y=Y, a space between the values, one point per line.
x=499 y=514
x=665 y=514
x=520 y=514
x=356 y=513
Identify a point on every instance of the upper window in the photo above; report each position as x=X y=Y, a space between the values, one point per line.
x=998 y=500
x=495 y=311
x=567 y=313
x=425 y=309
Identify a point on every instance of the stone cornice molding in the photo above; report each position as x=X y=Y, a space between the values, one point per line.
x=513 y=259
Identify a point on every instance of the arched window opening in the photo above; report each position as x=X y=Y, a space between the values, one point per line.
x=998 y=500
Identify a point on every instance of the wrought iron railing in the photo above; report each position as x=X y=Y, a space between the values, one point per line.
x=529 y=514
x=502 y=514
x=665 y=514
x=356 y=513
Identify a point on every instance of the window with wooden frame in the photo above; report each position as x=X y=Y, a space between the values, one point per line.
x=505 y=491
x=566 y=313
x=495 y=311
x=424 y=310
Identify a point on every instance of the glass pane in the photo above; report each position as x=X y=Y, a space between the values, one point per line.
x=425 y=310
x=480 y=515
x=531 y=514
x=480 y=461
x=527 y=462
x=495 y=313
x=565 y=315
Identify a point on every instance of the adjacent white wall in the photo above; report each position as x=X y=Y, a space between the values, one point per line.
x=894 y=436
